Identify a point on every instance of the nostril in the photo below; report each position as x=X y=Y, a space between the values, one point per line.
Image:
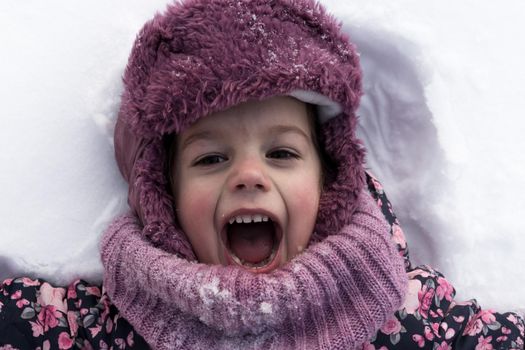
x=257 y=186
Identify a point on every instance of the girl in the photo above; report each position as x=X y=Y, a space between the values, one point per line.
x=253 y=223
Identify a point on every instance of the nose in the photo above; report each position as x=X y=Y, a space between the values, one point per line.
x=249 y=175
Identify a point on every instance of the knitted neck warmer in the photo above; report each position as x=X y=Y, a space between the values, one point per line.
x=335 y=295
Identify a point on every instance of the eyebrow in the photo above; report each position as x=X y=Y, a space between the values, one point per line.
x=215 y=134
x=281 y=129
x=199 y=135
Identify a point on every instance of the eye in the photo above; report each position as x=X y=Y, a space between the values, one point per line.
x=210 y=160
x=282 y=154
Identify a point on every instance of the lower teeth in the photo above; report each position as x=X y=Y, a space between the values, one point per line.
x=258 y=265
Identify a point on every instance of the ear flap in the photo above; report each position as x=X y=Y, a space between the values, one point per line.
x=338 y=200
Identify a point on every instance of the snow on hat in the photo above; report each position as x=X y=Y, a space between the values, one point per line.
x=204 y=56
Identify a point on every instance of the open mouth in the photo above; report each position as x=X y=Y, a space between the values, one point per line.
x=252 y=241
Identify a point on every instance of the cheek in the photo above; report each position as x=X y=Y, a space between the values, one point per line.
x=307 y=206
x=192 y=199
x=303 y=206
x=307 y=191
x=193 y=205
x=195 y=208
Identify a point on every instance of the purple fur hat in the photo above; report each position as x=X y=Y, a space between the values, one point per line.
x=204 y=56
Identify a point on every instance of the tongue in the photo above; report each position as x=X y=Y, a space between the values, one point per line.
x=251 y=242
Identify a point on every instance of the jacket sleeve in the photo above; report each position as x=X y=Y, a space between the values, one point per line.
x=431 y=318
x=36 y=315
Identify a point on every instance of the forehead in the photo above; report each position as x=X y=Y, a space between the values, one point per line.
x=274 y=112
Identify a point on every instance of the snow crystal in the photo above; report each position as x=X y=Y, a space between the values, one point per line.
x=272 y=55
x=210 y=292
x=266 y=308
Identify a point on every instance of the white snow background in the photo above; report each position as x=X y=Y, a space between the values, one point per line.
x=442 y=118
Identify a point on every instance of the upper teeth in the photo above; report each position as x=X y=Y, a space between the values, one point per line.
x=248 y=218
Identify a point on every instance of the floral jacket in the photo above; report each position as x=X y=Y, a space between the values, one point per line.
x=36 y=315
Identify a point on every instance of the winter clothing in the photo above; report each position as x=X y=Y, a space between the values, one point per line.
x=36 y=315
x=430 y=317
x=335 y=295
x=204 y=56
x=192 y=61
x=33 y=314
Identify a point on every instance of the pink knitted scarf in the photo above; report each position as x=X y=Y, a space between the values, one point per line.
x=335 y=295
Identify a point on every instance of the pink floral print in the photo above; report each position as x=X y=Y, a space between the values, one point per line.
x=48 y=317
x=50 y=296
x=438 y=323
x=444 y=289
x=443 y=346
x=430 y=315
x=398 y=236
x=376 y=189
x=484 y=343
x=392 y=326
x=425 y=295
x=77 y=317
x=64 y=341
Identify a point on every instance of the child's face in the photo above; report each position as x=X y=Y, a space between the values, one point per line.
x=254 y=163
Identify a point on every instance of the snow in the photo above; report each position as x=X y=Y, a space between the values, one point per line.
x=210 y=292
x=266 y=308
x=440 y=117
